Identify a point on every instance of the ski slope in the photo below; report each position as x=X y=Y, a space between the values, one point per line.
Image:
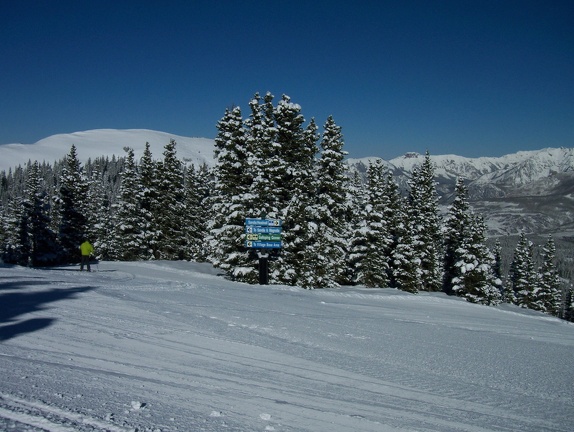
x=173 y=346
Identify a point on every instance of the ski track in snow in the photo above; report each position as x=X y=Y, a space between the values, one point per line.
x=173 y=346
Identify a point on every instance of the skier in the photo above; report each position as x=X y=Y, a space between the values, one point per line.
x=86 y=249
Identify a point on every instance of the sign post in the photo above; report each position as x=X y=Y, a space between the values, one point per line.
x=262 y=235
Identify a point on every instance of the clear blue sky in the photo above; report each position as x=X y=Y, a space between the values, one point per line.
x=473 y=78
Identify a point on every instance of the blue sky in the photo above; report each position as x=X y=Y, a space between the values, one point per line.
x=473 y=78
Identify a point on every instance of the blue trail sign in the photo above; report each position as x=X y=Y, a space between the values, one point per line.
x=263 y=233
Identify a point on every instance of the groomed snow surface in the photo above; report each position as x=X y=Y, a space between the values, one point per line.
x=173 y=346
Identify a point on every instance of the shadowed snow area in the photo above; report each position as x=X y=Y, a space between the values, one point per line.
x=173 y=346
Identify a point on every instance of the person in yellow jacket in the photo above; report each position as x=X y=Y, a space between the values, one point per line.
x=86 y=249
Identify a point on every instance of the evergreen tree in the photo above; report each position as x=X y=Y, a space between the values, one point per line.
x=73 y=194
x=149 y=205
x=458 y=220
x=406 y=266
x=569 y=305
x=332 y=200
x=232 y=183
x=293 y=154
x=548 y=294
x=196 y=216
x=171 y=206
x=100 y=223
x=128 y=217
x=42 y=240
x=357 y=199
x=523 y=278
x=17 y=246
x=423 y=211
x=374 y=267
x=302 y=261
x=475 y=279
x=264 y=159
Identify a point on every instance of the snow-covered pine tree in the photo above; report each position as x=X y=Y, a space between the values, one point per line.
x=43 y=241
x=405 y=261
x=232 y=182
x=548 y=294
x=458 y=220
x=474 y=278
x=171 y=206
x=522 y=276
x=293 y=150
x=16 y=246
x=497 y=252
x=264 y=159
x=423 y=211
x=73 y=207
x=569 y=304
x=333 y=185
x=356 y=250
x=148 y=205
x=394 y=215
x=374 y=267
x=100 y=221
x=304 y=257
x=196 y=215
x=127 y=215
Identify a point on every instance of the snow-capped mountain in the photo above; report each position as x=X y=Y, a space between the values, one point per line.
x=528 y=190
x=105 y=142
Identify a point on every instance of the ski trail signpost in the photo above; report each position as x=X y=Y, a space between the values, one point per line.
x=263 y=234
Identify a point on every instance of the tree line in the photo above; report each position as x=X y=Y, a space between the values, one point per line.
x=338 y=227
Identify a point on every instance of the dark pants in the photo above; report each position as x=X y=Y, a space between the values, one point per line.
x=85 y=260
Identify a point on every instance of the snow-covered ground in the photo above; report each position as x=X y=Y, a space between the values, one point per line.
x=172 y=346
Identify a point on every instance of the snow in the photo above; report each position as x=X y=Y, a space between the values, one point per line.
x=173 y=346
x=106 y=142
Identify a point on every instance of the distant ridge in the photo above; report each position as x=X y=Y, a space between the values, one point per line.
x=105 y=142
x=528 y=190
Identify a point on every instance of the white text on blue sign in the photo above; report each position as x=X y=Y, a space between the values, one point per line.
x=262 y=230
x=263 y=244
x=263 y=222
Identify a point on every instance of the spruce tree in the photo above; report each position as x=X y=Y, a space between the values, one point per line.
x=357 y=199
x=423 y=211
x=170 y=208
x=302 y=262
x=522 y=276
x=73 y=195
x=374 y=267
x=196 y=215
x=548 y=294
x=16 y=246
x=458 y=220
x=232 y=183
x=128 y=217
x=100 y=223
x=406 y=266
x=265 y=165
x=149 y=205
x=43 y=243
x=475 y=279
x=332 y=187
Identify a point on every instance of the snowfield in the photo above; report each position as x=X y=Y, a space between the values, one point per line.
x=173 y=346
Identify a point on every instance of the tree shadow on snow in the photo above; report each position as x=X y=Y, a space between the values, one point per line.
x=16 y=304
x=28 y=326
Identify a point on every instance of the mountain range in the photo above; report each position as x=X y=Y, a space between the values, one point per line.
x=529 y=190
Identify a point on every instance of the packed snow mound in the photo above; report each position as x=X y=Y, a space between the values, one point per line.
x=106 y=142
